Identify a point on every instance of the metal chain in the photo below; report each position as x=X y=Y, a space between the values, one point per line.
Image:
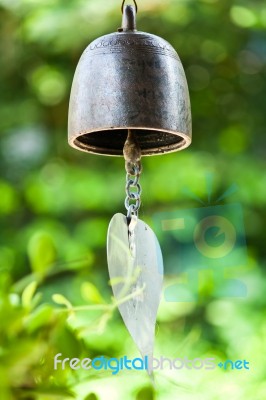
x=132 y=154
x=133 y=191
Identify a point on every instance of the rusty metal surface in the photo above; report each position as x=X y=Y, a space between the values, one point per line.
x=129 y=80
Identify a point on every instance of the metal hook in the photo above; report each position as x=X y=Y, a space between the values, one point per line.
x=135 y=3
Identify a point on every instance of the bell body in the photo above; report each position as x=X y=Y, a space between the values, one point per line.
x=129 y=80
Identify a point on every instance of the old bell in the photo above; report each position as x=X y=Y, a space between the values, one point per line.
x=129 y=80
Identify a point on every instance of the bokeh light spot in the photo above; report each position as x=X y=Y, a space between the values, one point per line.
x=243 y=17
x=198 y=77
x=49 y=85
x=233 y=140
x=213 y=52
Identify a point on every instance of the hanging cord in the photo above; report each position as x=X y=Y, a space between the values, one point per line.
x=132 y=155
x=135 y=3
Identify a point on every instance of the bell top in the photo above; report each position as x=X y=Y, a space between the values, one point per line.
x=129 y=80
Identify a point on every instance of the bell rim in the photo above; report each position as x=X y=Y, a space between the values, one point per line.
x=178 y=146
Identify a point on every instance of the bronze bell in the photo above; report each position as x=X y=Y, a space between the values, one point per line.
x=129 y=80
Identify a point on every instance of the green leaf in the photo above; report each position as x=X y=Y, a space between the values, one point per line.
x=28 y=293
x=60 y=299
x=39 y=318
x=146 y=393
x=8 y=199
x=52 y=393
x=91 y=396
x=42 y=252
x=91 y=293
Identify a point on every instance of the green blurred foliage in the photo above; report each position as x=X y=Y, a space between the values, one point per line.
x=55 y=202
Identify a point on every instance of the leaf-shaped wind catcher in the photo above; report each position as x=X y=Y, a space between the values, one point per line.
x=136 y=270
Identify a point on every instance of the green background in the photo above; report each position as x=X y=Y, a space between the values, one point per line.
x=56 y=202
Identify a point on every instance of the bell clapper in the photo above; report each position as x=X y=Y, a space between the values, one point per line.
x=132 y=155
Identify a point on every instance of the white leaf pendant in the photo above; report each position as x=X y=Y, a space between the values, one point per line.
x=136 y=279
